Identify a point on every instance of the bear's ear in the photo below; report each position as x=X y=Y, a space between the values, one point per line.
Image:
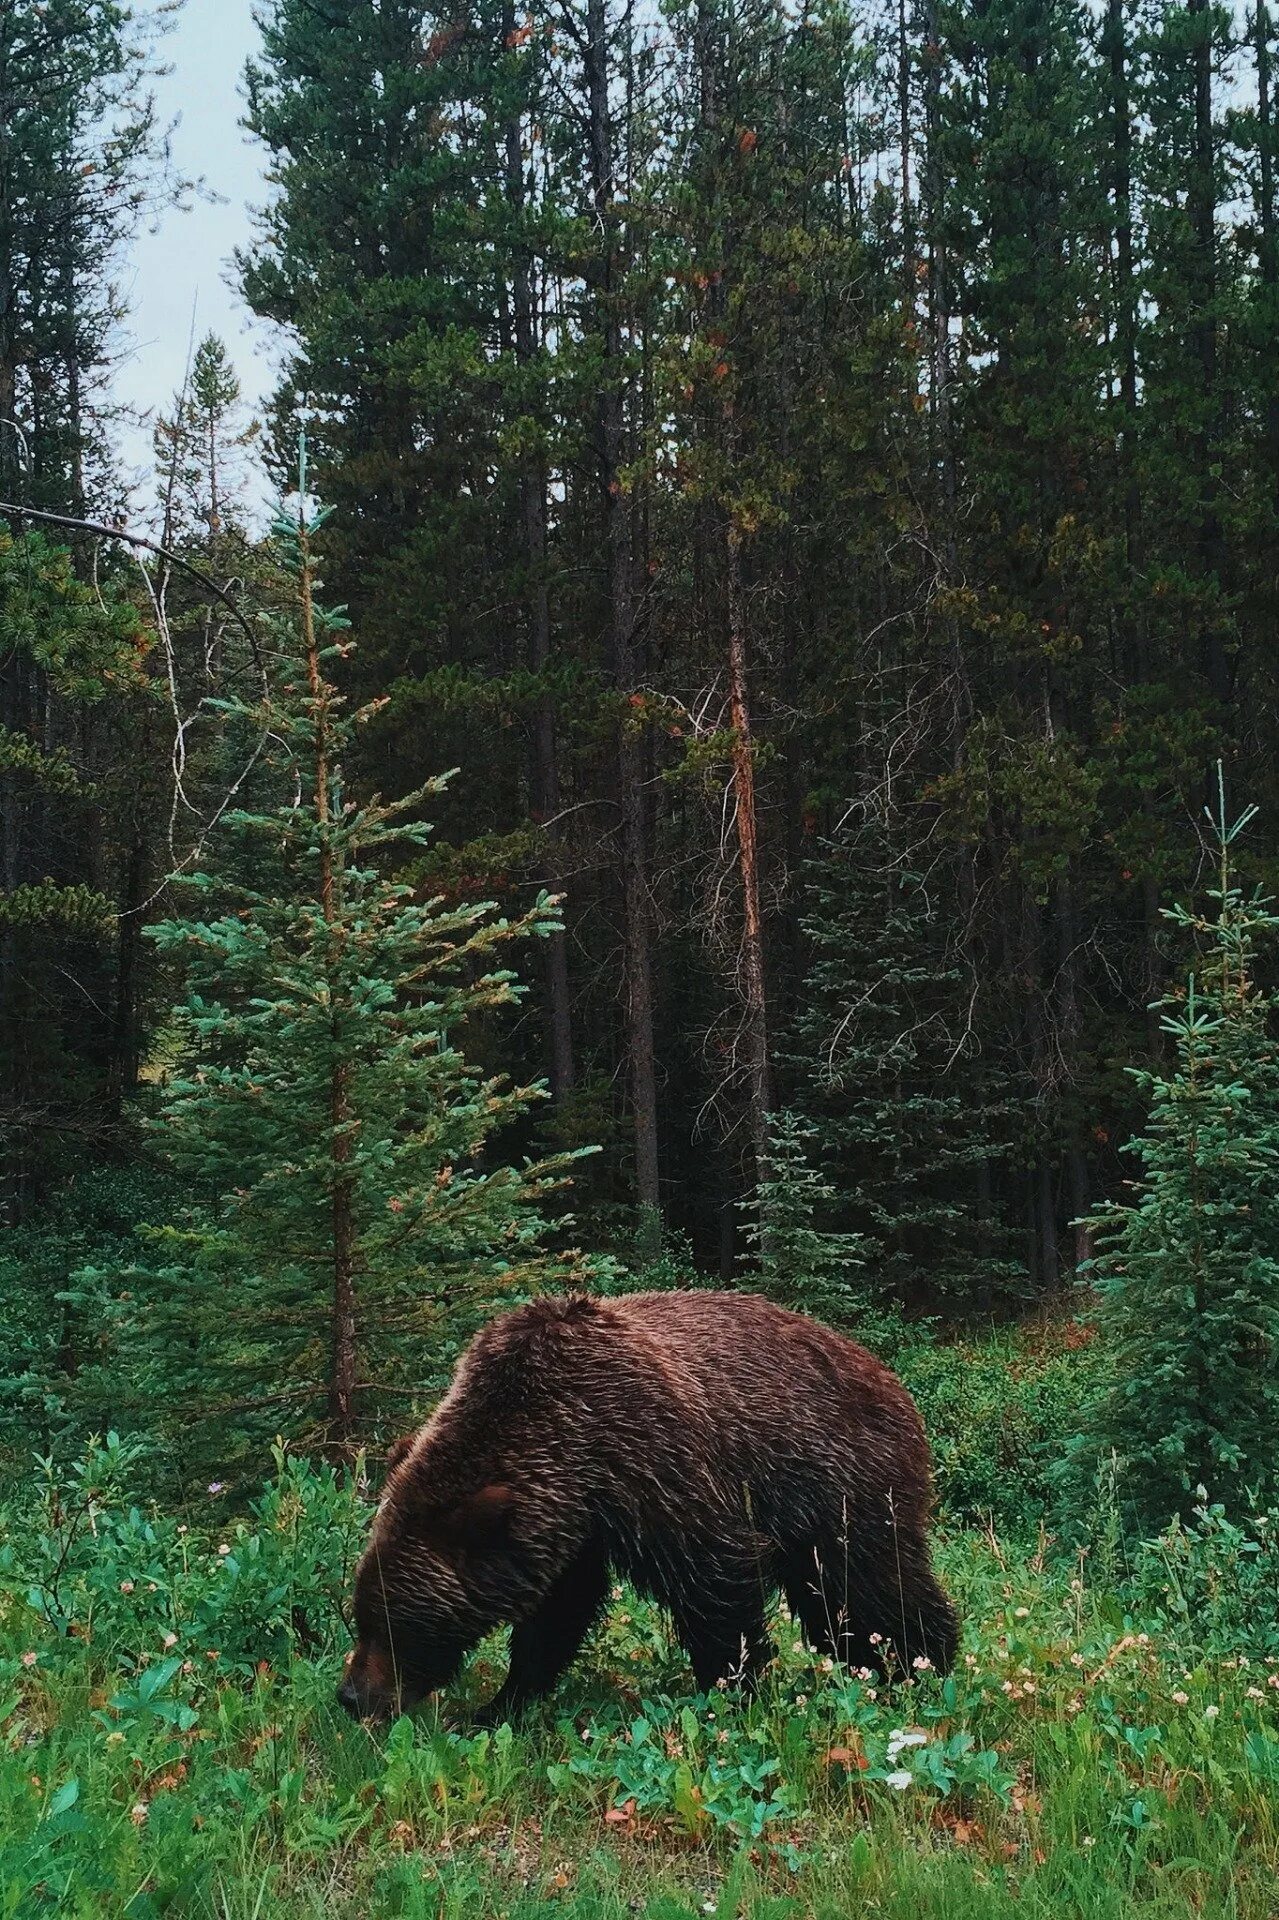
x=399 y=1450
x=483 y=1519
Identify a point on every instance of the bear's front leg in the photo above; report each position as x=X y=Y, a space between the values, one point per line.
x=549 y=1640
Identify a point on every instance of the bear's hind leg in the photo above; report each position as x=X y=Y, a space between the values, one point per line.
x=549 y=1640
x=931 y=1630
x=818 y=1602
x=727 y=1642
x=883 y=1614
x=896 y=1596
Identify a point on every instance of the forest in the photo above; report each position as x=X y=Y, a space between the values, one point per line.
x=742 y=754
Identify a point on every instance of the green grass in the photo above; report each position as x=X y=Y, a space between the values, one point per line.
x=1091 y=1756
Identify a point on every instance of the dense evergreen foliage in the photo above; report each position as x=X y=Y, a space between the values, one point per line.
x=1189 y=1271
x=761 y=422
x=320 y=1102
x=812 y=476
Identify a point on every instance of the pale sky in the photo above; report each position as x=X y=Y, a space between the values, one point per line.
x=186 y=264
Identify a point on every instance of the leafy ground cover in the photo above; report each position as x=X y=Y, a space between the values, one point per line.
x=169 y=1742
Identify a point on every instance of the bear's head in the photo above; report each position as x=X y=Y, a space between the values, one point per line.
x=433 y=1580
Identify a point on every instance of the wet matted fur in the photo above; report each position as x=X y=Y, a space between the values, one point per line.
x=709 y=1447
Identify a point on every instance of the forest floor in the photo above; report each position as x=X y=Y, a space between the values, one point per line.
x=1084 y=1759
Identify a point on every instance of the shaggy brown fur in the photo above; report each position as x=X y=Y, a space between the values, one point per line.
x=709 y=1447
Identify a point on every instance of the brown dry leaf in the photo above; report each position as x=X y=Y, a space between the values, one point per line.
x=847 y=1757
x=622 y=1816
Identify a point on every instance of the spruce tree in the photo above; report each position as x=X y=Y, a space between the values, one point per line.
x=801 y=1262
x=354 y=1215
x=913 y=1122
x=1188 y=1272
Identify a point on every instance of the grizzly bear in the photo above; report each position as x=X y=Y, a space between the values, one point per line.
x=710 y=1448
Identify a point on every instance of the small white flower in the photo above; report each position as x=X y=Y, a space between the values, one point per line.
x=170 y=1640
x=1023 y=1613
x=1181 y=1698
x=1210 y=1713
x=899 y=1781
x=223 y=1548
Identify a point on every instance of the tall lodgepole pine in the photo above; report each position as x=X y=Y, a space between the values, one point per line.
x=606 y=276
x=753 y=979
x=341 y=1188
x=545 y=782
x=1202 y=196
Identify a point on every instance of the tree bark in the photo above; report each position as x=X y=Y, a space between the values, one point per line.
x=610 y=427
x=1269 y=250
x=753 y=987
x=343 y=1343
x=545 y=782
x=1203 y=210
x=1116 y=46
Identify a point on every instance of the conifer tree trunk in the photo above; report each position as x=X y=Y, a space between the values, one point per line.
x=751 y=975
x=1203 y=213
x=532 y=488
x=610 y=425
x=1269 y=251
x=341 y=1391
x=753 y=988
x=1125 y=288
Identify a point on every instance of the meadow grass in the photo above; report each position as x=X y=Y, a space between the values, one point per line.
x=170 y=1744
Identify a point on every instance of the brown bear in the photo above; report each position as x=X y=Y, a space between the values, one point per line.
x=709 y=1447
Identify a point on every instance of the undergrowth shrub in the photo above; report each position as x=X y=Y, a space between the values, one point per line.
x=998 y=1416
x=1214 y=1580
x=86 y=1562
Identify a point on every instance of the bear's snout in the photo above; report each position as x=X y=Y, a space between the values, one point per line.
x=350 y=1699
x=370 y=1688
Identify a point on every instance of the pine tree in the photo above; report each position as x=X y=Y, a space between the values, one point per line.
x=913 y=1122
x=200 y=451
x=1188 y=1272
x=356 y=1213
